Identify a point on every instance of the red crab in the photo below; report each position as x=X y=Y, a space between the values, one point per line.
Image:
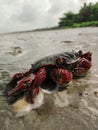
x=52 y=72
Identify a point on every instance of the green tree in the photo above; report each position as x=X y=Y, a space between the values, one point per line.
x=95 y=12
x=87 y=13
x=68 y=19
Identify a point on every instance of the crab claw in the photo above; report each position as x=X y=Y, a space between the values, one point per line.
x=82 y=68
x=19 y=87
x=22 y=87
x=17 y=77
x=61 y=76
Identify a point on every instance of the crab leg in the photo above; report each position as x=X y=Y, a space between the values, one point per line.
x=39 y=78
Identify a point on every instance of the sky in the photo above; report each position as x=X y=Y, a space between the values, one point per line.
x=22 y=15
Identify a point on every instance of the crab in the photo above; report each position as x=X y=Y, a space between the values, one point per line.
x=54 y=72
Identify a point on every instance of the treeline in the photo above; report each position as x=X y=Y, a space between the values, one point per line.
x=87 y=16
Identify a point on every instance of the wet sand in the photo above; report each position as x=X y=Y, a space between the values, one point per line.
x=73 y=109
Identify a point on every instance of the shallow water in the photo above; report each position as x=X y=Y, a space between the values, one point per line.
x=73 y=109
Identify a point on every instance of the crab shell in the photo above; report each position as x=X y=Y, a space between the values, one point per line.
x=75 y=62
x=66 y=60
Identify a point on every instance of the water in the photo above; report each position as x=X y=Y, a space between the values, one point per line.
x=73 y=109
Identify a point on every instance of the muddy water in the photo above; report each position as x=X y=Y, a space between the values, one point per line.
x=73 y=109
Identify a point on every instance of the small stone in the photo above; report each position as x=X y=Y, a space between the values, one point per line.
x=80 y=94
x=96 y=93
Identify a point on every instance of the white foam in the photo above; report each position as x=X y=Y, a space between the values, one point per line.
x=22 y=107
x=49 y=92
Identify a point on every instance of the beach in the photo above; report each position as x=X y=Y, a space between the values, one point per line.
x=73 y=109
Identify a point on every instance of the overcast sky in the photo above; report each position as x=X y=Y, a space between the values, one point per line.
x=18 y=15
